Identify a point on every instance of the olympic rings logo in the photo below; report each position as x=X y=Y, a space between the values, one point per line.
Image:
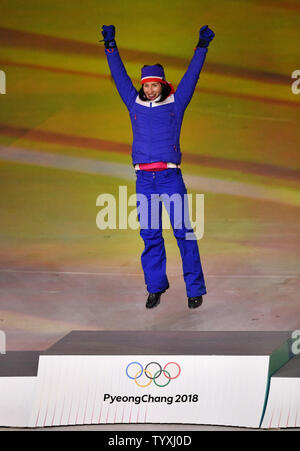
x=152 y=375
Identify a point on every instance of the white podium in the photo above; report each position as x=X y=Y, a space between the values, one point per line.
x=283 y=406
x=100 y=377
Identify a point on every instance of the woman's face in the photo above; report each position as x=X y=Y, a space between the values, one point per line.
x=152 y=90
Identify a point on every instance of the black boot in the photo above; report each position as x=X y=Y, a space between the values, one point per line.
x=154 y=299
x=195 y=302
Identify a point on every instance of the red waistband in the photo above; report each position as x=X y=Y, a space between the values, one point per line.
x=157 y=166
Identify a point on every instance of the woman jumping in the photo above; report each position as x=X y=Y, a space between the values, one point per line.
x=156 y=114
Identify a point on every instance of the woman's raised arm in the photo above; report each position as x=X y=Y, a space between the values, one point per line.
x=123 y=82
x=187 y=85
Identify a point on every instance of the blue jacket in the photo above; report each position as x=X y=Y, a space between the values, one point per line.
x=156 y=126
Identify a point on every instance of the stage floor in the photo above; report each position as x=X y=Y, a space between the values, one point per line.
x=38 y=307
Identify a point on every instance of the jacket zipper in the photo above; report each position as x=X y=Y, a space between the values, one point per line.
x=150 y=131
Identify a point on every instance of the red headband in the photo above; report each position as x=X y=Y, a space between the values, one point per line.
x=153 y=79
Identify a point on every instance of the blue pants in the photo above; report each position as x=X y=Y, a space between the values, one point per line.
x=150 y=185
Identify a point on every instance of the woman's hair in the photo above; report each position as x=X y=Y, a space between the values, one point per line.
x=165 y=92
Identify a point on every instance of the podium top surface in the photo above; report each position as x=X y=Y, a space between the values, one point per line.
x=19 y=364
x=168 y=343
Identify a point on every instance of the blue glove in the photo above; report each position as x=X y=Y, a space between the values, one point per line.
x=108 y=33
x=205 y=36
